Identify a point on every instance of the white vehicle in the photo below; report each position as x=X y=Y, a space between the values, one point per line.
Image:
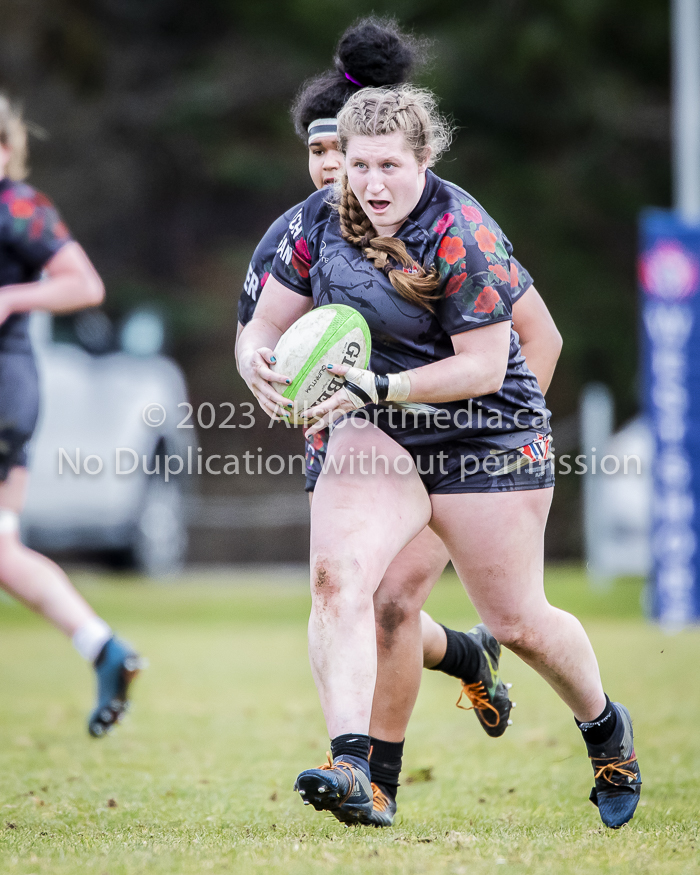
x=617 y=498
x=107 y=420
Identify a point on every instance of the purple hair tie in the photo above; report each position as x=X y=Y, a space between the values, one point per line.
x=354 y=81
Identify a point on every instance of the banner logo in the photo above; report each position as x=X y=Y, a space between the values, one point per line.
x=669 y=272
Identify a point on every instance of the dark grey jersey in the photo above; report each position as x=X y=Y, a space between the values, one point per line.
x=478 y=278
x=260 y=264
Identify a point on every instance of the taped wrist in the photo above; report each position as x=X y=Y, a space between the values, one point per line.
x=366 y=387
x=399 y=386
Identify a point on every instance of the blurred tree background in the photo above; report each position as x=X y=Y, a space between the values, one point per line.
x=169 y=149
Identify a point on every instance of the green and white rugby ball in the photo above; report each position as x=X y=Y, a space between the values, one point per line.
x=332 y=334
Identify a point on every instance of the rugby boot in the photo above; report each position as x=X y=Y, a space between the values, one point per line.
x=618 y=781
x=383 y=809
x=487 y=692
x=116 y=667
x=339 y=787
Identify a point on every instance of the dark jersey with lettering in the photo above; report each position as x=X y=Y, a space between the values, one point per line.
x=260 y=265
x=450 y=230
x=31 y=233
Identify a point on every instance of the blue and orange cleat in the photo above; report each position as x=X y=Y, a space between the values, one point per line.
x=338 y=787
x=115 y=667
x=618 y=781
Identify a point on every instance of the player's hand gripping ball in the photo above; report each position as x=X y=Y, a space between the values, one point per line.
x=360 y=388
x=334 y=334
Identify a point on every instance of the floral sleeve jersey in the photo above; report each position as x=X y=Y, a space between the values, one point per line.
x=500 y=266
x=520 y=280
x=479 y=282
x=480 y=279
x=31 y=233
x=31 y=230
x=260 y=264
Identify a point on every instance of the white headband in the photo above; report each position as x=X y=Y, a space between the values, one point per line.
x=322 y=128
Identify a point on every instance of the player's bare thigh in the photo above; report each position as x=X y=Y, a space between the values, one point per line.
x=496 y=542
x=369 y=499
x=410 y=578
x=413 y=573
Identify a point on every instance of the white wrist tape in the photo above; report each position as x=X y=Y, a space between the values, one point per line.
x=366 y=387
x=399 y=386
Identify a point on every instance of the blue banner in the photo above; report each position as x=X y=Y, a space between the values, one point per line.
x=669 y=278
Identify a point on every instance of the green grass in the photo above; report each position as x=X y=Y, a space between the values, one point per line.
x=199 y=778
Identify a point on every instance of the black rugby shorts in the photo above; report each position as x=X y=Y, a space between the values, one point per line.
x=448 y=468
x=19 y=408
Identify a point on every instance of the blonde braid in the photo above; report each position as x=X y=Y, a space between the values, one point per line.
x=356 y=228
x=354 y=221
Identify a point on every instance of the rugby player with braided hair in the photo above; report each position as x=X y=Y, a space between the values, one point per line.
x=375 y=52
x=43 y=268
x=476 y=466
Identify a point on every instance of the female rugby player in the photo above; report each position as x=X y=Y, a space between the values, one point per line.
x=374 y=51
x=42 y=268
x=434 y=270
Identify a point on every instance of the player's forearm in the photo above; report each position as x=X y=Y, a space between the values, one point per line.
x=61 y=294
x=452 y=379
x=257 y=334
x=70 y=283
x=239 y=331
x=477 y=368
x=278 y=308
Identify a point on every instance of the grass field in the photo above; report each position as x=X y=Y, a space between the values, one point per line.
x=199 y=778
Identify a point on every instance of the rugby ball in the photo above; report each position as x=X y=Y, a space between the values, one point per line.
x=332 y=334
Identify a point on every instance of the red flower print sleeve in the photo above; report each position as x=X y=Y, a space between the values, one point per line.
x=31 y=227
x=452 y=249
x=473 y=258
x=520 y=280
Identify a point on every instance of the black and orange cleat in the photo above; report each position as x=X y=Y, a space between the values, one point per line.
x=383 y=809
x=618 y=781
x=487 y=693
x=339 y=787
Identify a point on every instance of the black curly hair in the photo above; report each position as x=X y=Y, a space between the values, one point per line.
x=375 y=52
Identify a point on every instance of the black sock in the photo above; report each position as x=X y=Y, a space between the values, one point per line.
x=462 y=657
x=352 y=748
x=385 y=764
x=598 y=731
